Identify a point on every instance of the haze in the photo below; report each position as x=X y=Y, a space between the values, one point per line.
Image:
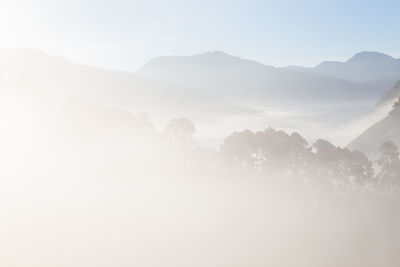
x=199 y=133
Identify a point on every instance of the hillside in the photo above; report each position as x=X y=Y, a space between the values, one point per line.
x=387 y=129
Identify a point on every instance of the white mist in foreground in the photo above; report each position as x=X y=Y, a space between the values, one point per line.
x=84 y=185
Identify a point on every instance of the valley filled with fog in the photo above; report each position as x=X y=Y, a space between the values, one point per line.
x=205 y=160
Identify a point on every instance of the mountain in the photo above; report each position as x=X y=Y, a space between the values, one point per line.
x=209 y=77
x=219 y=92
x=387 y=129
x=60 y=76
x=238 y=79
x=373 y=69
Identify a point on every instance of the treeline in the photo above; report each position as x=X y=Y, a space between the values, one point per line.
x=273 y=154
x=279 y=155
x=322 y=163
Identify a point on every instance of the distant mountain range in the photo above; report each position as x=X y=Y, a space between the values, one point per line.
x=335 y=90
x=215 y=85
x=60 y=76
x=373 y=69
x=212 y=75
x=236 y=78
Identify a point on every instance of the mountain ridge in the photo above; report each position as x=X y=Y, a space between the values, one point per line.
x=219 y=71
x=204 y=87
x=371 y=68
x=385 y=130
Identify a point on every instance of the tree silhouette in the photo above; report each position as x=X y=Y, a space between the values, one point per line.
x=180 y=131
x=389 y=163
x=323 y=164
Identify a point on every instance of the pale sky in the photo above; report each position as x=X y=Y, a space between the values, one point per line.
x=122 y=34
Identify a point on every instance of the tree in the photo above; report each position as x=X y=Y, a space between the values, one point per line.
x=324 y=150
x=354 y=170
x=389 y=164
x=346 y=170
x=241 y=148
x=268 y=150
x=180 y=131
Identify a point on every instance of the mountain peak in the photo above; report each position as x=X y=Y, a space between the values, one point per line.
x=369 y=56
x=211 y=59
x=216 y=54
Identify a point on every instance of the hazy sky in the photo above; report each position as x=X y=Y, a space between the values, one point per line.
x=125 y=34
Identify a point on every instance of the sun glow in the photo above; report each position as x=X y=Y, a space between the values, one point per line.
x=17 y=25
